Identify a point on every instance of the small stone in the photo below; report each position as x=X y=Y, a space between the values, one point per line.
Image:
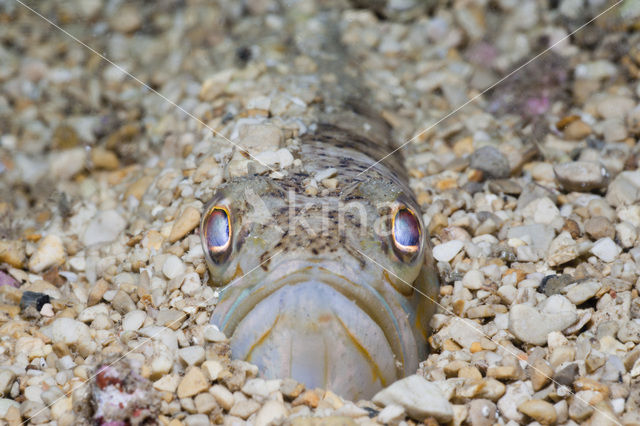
x=260 y=138
x=50 y=252
x=173 y=266
x=309 y=398
x=491 y=162
x=191 y=284
x=213 y=334
x=613 y=130
x=223 y=396
x=97 y=291
x=473 y=280
x=104 y=159
x=260 y=388
x=122 y=302
x=33 y=299
x=541 y=411
x=482 y=412
x=606 y=249
x=5 y=404
x=195 y=420
x=244 y=409
x=7 y=378
x=566 y=375
x=138 y=188
x=103 y=228
x=212 y=369
x=516 y=394
x=576 y=130
x=126 y=20
x=391 y=413
x=599 y=227
x=184 y=224
x=270 y=412
x=627 y=234
x=563 y=249
x=133 y=320
x=420 y=398
x=167 y=383
x=13 y=252
x=91 y=313
x=615 y=107
x=541 y=374
x=541 y=210
x=624 y=189
x=192 y=383
x=192 y=355
x=291 y=389
x=532 y=325
x=446 y=251
x=581 y=176
x=554 y=284
x=583 y=291
x=205 y=402
x=505 y=186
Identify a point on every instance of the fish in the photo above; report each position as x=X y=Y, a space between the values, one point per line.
x=325 y=271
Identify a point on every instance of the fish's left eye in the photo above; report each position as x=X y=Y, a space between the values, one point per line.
x=216 y=232
x=406 y=231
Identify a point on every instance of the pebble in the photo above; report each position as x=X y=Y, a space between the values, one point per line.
x=606 y=249
x=223 y=396
x=104 y=159
x=491 y=162
x=12 y=252
x=126 y=20
x=50 y=252
x=193 y=382
x=581 y=176
x=91 y=313
x=420 y=398
x=261 y=388
x=516 y=393
x=122 y=302
x=541 y=374
x=133 y=320
x=446 y=251
x=563 y=249
x=391 y=413
x=624 y=189
x=577 y=130
x=192 y=355
x=197 y=420
x=184 y=224
x=532 y=325
x=584 y=291
x=260 y=138
x=97 y=291
x=205 y=403
x=212 y=369
x=7 y=377
x=473 y=280
x=173 y=266
x=5 y=404
x=103 y=228
x=213 y=334
x=71 y=332
x=244 y=409
x=33 y=299
x=270 y=412
x=167 y=383
x=541 y=411
x=599 y=227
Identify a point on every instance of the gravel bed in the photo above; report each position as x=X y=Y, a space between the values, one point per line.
x=531 y=192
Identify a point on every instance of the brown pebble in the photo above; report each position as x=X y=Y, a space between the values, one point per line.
x=192 y=383
x=577 y=130
x=97 y=291
x=185 y=223
x=599 y=227
x=572 y=227
x=138 y=188
x=309 y=398
x=104 y=159
x=541 y=411
x=13 y=253
x=541 y=374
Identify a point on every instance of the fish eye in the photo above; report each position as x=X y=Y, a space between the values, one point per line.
x=216 y=232
x=406 y=231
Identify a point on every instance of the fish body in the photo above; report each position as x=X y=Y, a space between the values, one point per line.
x=326 y=274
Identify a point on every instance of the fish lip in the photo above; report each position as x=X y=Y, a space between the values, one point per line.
x=228 y=313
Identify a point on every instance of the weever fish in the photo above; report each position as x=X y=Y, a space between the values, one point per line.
x=317 y=305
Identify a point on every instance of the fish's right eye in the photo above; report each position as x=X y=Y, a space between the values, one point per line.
x=216 y=233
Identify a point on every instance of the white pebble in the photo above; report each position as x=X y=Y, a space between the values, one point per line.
x=103 y=228
x=172 y=267
x=133 y=320
x=606 y=249
x=447 y=251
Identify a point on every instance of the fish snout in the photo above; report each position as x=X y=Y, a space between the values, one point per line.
x=312 y=332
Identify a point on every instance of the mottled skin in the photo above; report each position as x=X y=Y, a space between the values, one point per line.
x=327 y=298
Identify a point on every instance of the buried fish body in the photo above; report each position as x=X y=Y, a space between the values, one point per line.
x=327 y=273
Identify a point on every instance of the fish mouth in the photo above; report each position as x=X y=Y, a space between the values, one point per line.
x=317 y=327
